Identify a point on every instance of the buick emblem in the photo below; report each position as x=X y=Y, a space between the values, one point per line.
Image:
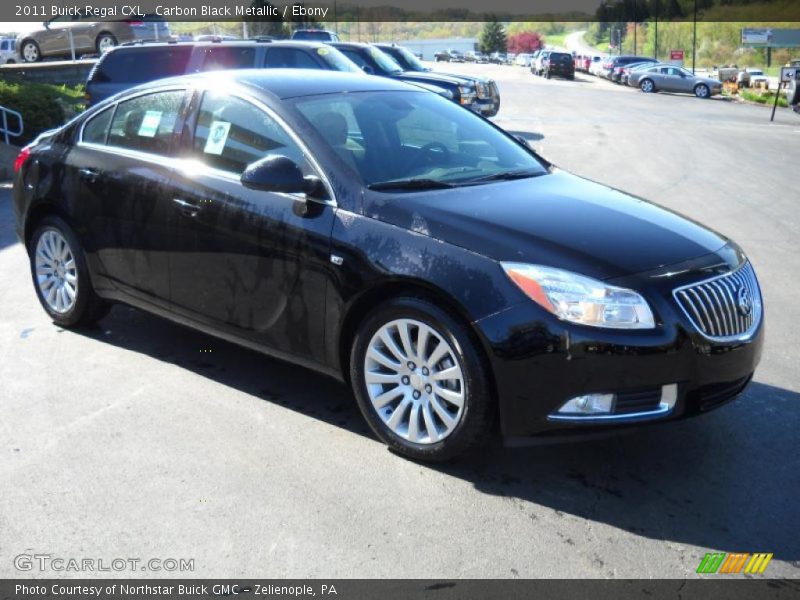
x=743 y=301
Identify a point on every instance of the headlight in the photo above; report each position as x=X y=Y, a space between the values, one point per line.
x=580 y=299
x=467 y=93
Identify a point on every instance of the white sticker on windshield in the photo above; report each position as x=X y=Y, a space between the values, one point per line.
x=217 y=136
x=150 y=123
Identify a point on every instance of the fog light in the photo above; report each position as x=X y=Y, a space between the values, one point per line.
x=588 y=404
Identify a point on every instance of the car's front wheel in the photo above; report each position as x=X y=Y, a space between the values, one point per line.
x=61 y=277
x=30 y=51
x=647 y=86
x=419 y=380
x=702 y=91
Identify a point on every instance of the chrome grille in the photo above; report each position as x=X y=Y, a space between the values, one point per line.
x=728 y=306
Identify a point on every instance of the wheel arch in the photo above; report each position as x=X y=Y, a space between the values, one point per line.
x=360 y=308
x=40 y=210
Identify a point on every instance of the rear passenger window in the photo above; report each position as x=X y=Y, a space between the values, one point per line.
x=146 y=123
x=140 y=65
x=230 y=57
x=290 y=58
x=232 y=133
x=96 y=128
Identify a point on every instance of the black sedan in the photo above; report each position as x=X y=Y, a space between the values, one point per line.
x=386 y=237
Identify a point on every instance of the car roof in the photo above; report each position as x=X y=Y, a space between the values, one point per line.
x=222 y=43
x=289 y=83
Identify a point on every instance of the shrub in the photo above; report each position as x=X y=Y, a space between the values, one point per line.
x=42 y=106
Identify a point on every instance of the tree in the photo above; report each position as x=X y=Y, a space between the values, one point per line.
x=525 y=42
x=258 y=26
x=493 y=37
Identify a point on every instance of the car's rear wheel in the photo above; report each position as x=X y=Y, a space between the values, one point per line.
x=419 y=380
x=30 y=51
x=647 y=86
x=104 y=43
x=702 y=91
x=61 y=277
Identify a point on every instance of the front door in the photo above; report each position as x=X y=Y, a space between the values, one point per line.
x=250 y=262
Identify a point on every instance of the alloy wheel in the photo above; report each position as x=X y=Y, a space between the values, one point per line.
x=56 y=272
x=105 y=43
x=30 y=52
x=701 y=91
x=647 y=86
x=414 y=381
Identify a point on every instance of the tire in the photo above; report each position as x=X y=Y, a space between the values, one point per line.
x=547 y=75
x=647 y=86
x=701 y=91
x=11 y=61
x=86 y=307
x=413 y=394
x=29 y=51
x=104 y=42
x=793 y=92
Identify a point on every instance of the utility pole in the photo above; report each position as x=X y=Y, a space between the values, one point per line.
x=694 y=37
x=655 y=47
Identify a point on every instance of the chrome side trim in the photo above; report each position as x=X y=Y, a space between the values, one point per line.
x=662 y=410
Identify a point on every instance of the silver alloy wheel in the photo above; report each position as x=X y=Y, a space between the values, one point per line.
x=647 y=86
x=414 y=381
x=105 y=43
x=701 y=91
x=56 y=271
x=30 y=52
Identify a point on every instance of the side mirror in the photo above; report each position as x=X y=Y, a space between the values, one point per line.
x=279 y=174
x=368 y=70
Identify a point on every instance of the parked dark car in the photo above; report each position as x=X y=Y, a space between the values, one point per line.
x=375 y=62
x=612 y=68
x=132 y=64
x=448 y=56
x=557 y=64
x=88 y=36
x=388 y=238
x=486 y=89
x=315 y=35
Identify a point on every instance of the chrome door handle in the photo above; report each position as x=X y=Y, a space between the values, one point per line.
x=90 y=174
x=186 y=208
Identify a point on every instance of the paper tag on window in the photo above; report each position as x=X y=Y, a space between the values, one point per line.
x=150 y=123
x=217 y=136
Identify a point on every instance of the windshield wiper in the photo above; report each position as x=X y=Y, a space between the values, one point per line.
x=505 y=176
x=410 y=184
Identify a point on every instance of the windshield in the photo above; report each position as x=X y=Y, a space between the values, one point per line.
x=408 y=57
x=432 y=141
x=384 y=61
x=337 y=60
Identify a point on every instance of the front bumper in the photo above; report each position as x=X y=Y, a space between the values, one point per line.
x=539 y=362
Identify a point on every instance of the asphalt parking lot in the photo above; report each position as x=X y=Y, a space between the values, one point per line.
x=142 y=439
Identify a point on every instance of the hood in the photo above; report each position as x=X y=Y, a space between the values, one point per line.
x=434 y=78
x=465 y=78
x=558 y=220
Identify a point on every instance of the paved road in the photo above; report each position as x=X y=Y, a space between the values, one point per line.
x=142 y=439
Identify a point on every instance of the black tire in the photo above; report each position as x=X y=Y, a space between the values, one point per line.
x=478 y=407
x=701 y=91
x=547 y=74
x=793 y=92
x=647 y=86
x=88 y=307
x=104 y=37
x=30 y=52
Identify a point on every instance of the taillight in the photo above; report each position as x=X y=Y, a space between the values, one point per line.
x=21 y=158
x=135 y=23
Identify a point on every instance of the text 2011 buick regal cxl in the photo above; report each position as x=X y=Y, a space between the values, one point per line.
x=390 y=238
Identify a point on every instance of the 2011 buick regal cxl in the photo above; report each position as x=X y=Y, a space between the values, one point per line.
x=389 y=238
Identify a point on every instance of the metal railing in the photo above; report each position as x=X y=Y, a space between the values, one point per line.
x=4 y=130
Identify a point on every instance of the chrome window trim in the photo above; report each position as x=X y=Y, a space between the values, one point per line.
x=178 y=162
x=741 y=337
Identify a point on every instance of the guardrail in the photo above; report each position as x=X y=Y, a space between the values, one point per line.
x=4 y=130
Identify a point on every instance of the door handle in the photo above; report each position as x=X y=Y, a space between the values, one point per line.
x=90 y=174
x=186 y=208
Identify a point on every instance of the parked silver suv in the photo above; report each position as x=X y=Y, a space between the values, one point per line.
x=88 y=37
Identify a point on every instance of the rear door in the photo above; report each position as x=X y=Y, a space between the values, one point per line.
x=291 y=58
x=251 y=263
x=122 y=165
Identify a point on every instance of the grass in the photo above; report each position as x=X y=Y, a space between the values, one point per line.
x=556 y=39
x=758 y=98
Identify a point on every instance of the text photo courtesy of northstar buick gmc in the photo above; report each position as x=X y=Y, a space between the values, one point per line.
x=387 y=237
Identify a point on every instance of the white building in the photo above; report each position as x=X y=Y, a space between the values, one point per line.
x=429 y=47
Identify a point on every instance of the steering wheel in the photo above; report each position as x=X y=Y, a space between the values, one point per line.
x=430 y=154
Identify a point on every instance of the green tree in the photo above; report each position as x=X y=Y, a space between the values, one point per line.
x=493 y=37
